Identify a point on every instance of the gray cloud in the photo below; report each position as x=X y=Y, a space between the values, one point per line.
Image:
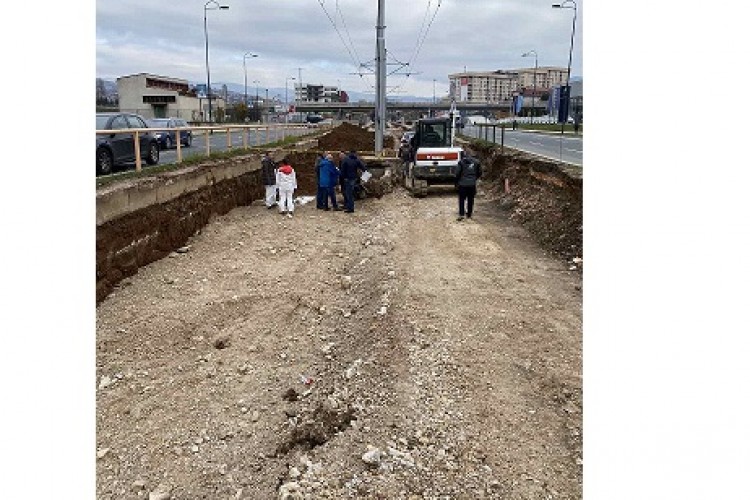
x=167 y=38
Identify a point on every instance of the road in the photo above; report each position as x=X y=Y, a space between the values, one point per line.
x=218 y=142
x=567 y=149
x=389 y=353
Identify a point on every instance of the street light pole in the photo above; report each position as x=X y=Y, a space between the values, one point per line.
x=286 y=99
x=244 y=65
x=206 y=8
x=565 y=5
x=256 y=82
x=533 y=97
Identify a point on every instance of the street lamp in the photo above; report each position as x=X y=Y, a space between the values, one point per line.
x=256 y=82
x=565 y=5
x=533 y=97
x=244 y=65
x=286 y=99
x=214 y=6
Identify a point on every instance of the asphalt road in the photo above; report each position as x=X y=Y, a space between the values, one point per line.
x=218 y=142
x=566 y=149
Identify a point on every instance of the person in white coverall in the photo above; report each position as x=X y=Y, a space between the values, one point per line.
x=286 y=181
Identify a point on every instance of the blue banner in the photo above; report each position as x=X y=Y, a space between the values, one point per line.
x=562 y=115
x=519 y=103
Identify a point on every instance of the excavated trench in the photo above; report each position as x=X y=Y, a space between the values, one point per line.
x=544 y=198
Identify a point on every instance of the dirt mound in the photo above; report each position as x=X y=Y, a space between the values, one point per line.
x=347 y=137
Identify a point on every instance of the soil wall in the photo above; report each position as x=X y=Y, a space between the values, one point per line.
x=139 y=222
x=544 y=196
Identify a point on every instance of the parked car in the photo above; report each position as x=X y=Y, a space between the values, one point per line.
x=166 y=138
x=118 y=148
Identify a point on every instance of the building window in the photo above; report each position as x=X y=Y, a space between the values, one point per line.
x=159 y=99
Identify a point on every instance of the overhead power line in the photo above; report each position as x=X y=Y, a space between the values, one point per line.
x=351 y=51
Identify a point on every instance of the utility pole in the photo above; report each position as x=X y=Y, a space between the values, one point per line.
x=299 y=76
x=380 y=78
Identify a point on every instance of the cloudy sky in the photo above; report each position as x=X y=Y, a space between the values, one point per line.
x=331 y=39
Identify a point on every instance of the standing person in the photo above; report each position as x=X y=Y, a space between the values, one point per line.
x=286 y=180
x=268 y=173
x=349 y=174
x=469 y=171
x=329 y=177
x=321 y=194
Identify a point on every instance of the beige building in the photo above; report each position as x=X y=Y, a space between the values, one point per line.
x=501 y=85
x=153 y=96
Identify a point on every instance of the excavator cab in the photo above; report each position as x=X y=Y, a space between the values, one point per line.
x=434 y=158
x=433 y=133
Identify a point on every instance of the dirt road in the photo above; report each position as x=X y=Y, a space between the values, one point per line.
x=442 y=360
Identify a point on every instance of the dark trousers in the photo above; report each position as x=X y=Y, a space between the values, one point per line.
x=320 y=199
x=331 y=194
x=349 y=194
x=466 y=194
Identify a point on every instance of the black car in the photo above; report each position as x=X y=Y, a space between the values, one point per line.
x=118 y=148
x=167 y=138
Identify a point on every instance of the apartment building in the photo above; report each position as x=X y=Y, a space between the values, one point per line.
x=502 y=85
x=311 y=92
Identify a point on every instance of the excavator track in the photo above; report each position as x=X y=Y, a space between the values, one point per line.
x=420 y=188
x=416 y=187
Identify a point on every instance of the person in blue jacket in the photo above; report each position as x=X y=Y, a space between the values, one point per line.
x=321 y=191
x=328 y=177
x=349 y=174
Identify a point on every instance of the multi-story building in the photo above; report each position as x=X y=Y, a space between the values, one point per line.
x=502 y=85
x=155 y=96
x=311 y=92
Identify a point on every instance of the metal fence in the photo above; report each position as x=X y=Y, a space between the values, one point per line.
x=489 y=132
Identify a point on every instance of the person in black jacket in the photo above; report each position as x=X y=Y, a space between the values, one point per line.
x=469 y=171
x=349 y=174
x=268 y=174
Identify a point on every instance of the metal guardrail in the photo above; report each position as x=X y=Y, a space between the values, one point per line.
x=208 y=130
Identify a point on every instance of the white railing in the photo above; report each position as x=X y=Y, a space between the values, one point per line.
x=262 y=130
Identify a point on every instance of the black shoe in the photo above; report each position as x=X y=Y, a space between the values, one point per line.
x=338 y=209
x=348 y=211
x=327 y=209
x=460 y=218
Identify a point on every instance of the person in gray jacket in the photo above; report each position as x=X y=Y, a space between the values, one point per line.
x=469 y=171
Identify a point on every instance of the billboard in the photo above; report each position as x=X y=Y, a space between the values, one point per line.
x=464 y=89
x=200 y=90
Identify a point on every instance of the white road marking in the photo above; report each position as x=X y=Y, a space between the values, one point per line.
x=573 y=150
